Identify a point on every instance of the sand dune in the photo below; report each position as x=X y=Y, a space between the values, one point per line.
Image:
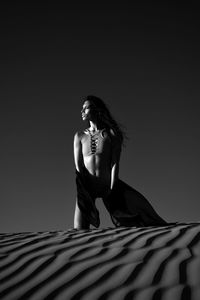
x=110 y=263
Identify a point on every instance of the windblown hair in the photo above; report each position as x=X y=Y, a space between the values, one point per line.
x=105 y=118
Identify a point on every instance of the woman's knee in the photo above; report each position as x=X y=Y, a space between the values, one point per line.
x=79 y=221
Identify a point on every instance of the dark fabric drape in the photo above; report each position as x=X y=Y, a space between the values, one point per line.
x=126 y=206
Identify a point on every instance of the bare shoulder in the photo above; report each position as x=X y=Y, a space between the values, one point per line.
x=113 y=135
x=111 y=131
x=78 y=135
x=115 y=140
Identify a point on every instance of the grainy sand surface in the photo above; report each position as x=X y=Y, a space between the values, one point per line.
x=110 y=263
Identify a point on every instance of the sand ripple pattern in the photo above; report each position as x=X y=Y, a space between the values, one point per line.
x=110 y=263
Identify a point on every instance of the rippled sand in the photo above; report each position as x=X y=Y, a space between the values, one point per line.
x=110 y=263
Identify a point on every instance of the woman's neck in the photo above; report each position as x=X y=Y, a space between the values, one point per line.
x=94 y=126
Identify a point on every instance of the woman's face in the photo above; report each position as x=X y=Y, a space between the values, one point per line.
x=88 y=111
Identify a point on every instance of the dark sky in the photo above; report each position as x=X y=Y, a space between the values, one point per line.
x=143 y=61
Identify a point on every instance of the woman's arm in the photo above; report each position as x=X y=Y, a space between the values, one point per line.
x=78 y=157
x=116 y=152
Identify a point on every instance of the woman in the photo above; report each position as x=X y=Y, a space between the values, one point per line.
x=97 y=152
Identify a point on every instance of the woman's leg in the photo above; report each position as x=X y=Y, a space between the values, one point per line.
x=79 y=221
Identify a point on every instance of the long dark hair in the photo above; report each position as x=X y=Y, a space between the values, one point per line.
x=105 y=118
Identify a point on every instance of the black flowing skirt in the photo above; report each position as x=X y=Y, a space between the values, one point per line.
x=126 y=206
